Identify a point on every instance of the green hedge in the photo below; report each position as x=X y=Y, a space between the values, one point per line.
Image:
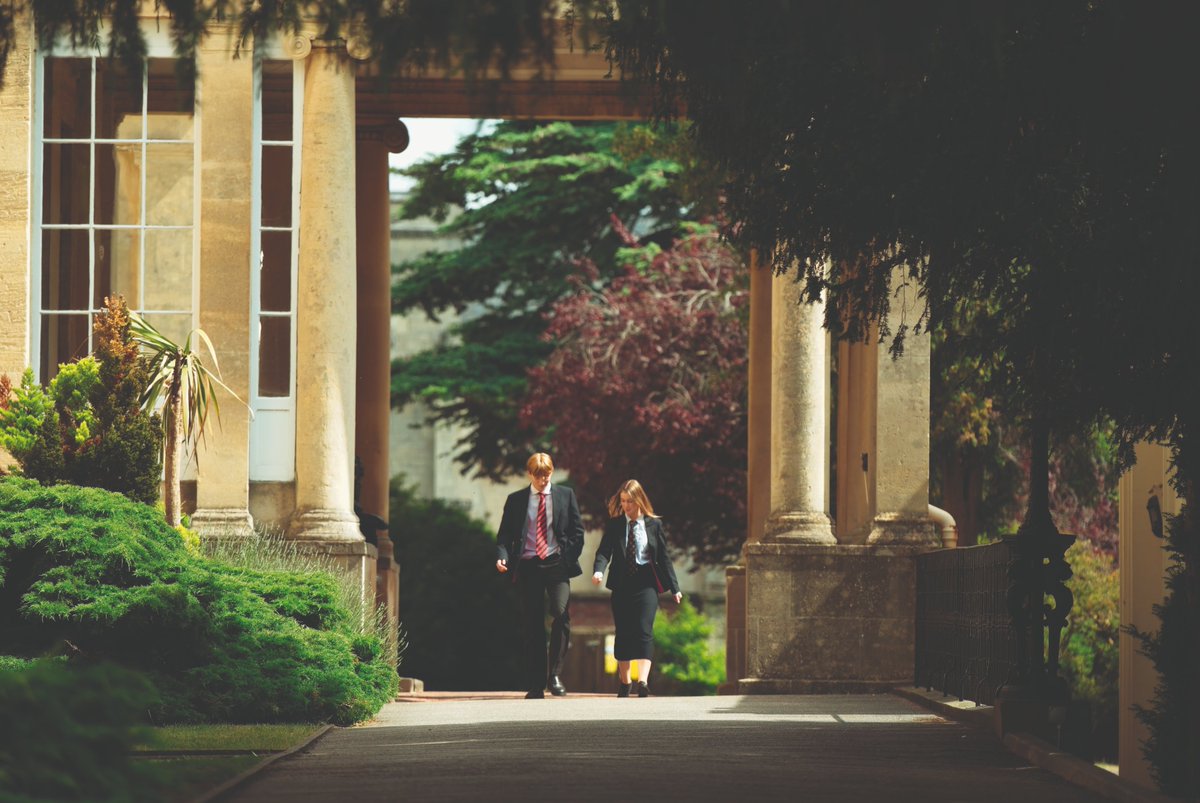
x=91 y=574
x=69 y=734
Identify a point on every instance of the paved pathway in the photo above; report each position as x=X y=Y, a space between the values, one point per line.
x=577 y=748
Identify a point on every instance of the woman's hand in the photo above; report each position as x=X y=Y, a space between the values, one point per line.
x=501 y=566
x=678 y=597
x=597 y=577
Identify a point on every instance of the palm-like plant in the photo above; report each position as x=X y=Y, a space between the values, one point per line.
x=180 y=376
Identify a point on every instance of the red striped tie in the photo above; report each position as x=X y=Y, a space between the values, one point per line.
x=539 y=543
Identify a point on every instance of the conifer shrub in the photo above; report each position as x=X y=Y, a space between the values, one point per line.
x=96 y=576
x=69 y=733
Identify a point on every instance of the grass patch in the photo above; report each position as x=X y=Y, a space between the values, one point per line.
x=187 y=778
x=187 y=738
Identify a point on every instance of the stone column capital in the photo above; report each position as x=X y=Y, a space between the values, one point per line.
x=392 y=134
x=356 y=46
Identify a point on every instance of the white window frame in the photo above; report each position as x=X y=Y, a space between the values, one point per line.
x=158 y=46
x=273 y=422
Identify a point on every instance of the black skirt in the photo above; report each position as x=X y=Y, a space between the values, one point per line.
x=634 y=606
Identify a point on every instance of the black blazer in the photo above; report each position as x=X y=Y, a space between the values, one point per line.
x=613 y=543
x=566 y=525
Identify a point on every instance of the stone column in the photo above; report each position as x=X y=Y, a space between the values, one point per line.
x=799 y=420
x=758 y=467
x=225 y=95
x=821 y=616
x=373 y=400
x=326 y=301
x=857 y=460
x=902 y=431
x=1146 y=500
x=15 y=185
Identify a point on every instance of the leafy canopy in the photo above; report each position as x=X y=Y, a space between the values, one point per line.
x=527 y=202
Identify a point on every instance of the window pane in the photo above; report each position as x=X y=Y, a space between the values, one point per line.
x=274 y=356
x=276 y=276
x=169 y=185
x=65 y=171
x=65 y=269
x=169 y=104
x=117 y=258
x=276 y=185
x=277 y=101
x=68 y=98
x=118 y=184
x=64 y=338
x=175 y=327
x=168 y=269
x=119 y=102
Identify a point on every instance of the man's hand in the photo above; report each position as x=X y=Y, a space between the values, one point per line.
x=597 y=577
x=501 y=566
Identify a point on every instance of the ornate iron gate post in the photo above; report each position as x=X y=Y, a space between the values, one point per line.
x=1037 y=696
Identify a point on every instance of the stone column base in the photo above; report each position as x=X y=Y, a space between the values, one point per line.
x=324 y=524
x=829 y=617
x=800 y=527
x=898 y=528
x=225 y=522
x=357 y=559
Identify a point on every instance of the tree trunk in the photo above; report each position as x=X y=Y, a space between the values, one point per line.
x=172 y=449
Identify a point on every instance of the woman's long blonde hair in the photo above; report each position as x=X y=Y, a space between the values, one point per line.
x=636 y=493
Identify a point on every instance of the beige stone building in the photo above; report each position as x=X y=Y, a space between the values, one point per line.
x=254 y=204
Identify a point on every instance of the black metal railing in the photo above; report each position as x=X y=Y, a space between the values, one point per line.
x=966 y=644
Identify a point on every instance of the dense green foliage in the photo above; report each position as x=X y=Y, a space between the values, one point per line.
x=1173 y=747
x=978 y=442
x=1088 y=654
x=536 y=200
x=69 y=732
x=684 y=658
x=88 y=427
x=93 y=575
x=459 y=615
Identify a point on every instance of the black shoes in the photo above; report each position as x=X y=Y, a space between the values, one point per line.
x=556 y=686
x=625 y=688
x=535 y=694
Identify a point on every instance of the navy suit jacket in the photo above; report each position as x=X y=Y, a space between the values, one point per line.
x=613 y=543
x=566 y=525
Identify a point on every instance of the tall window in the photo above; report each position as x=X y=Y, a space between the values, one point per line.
x=116 y=213
x=276 y=206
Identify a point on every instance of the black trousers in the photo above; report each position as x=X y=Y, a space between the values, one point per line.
x=634 y=605
x=542 y=584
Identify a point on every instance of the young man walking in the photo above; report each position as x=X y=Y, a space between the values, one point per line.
x=540 y=538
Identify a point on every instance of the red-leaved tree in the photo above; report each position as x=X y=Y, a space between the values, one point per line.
x=648 y=382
